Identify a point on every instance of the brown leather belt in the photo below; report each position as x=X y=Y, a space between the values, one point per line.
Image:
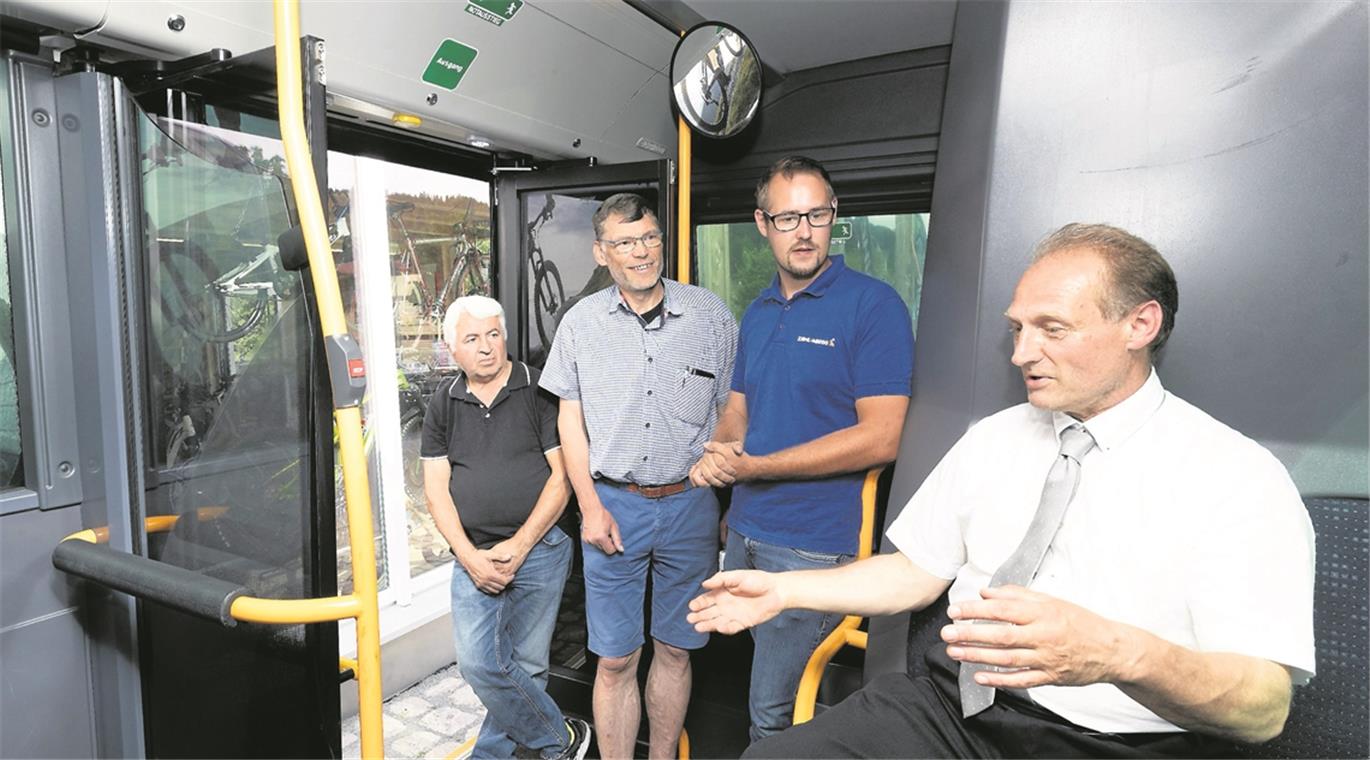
x=650 y=492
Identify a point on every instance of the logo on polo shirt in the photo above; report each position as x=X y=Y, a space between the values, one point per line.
x=829 y=342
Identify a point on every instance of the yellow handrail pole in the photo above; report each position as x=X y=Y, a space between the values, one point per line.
x=847 y=632
x=865 y=542
x=683 y=229
x=304 y=185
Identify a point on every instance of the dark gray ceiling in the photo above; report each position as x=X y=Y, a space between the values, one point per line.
x=800 y=34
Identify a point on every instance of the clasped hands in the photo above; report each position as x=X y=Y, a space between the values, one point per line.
x=491 y=570
x=723 y=463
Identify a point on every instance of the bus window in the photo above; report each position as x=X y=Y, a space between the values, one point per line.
x=735 y=262
x=425 y=236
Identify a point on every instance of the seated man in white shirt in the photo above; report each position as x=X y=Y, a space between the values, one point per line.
x=1170 y=611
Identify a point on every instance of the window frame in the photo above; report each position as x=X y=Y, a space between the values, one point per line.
x=45 y=384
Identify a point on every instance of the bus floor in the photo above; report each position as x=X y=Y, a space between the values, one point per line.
x=431 y=719
x=435 y=717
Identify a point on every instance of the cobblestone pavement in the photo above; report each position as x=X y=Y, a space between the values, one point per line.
x=428 y=720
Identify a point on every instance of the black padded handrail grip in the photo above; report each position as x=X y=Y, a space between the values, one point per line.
x=175 y=587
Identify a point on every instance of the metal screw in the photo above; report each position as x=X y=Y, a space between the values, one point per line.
x=176 y=23
x=70 y=122
x=432 y=98
x=575 y=143
x=65 y=469
x=41 y=118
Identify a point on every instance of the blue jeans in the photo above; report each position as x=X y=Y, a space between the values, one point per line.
x=785 y=642
x=503 y=650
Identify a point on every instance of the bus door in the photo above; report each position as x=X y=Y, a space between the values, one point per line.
x=237 y=446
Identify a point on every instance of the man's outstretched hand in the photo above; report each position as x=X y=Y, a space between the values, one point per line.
x=735 y=601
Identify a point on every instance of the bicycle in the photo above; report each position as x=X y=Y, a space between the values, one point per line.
x=548 y=292
x=470 y=266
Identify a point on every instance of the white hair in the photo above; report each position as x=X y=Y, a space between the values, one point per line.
x=479 y=307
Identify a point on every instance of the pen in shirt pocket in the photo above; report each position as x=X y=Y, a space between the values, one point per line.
x=700 y=372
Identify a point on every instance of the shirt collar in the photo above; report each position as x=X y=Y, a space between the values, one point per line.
x=519 y=377
x=1115 y=425
x=816 y=288
x=672 y=304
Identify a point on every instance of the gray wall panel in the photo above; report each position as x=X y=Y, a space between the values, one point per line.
x=945 y=361
x=1233 y=137
x=45 y=668
x=30 y=587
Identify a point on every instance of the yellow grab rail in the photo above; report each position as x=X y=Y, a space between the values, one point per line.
x=847 y=632
x=361 y=603
x=153 y=524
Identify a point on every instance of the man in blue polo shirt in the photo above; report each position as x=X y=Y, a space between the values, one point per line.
x=819 y=392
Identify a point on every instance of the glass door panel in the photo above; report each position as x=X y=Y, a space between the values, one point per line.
x=229 y=349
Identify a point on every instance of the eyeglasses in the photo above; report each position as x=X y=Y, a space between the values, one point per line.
x=789 y=220
x=628 y=245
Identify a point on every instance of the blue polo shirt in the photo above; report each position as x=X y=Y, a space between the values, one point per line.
x=802 y=364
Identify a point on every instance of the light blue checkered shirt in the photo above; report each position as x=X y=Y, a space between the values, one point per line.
x=650 y=396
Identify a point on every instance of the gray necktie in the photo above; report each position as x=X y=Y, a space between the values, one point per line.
x=1020 y=568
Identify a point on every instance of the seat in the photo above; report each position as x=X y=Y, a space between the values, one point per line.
x=1330 y=717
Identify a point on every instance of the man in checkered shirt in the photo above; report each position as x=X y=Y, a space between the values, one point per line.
x=641 y=368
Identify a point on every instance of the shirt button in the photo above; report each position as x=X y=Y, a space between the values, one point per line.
x=649 y=424
x=649 y=393
x=649 y=360
x=644 y=459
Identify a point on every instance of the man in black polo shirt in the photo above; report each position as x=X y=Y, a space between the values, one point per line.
x=495 y=484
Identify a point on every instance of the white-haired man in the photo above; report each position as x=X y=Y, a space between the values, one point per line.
x=496 y=485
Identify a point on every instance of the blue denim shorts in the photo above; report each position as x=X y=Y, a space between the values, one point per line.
x=675 y=538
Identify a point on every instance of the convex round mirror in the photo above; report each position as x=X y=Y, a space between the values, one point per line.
x=716 y=79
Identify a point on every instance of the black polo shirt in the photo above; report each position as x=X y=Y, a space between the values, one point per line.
x=498 y=453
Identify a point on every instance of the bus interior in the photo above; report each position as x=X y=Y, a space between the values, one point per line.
x=462 y=148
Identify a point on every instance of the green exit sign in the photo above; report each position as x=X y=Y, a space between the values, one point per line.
x=449 y=64
x=494 y=11
x=841 y=230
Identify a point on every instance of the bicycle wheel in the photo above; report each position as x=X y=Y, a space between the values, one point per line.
x=411 y=441
x=548 y=295
x=470 y=276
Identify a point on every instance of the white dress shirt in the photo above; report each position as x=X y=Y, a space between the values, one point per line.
x=1181 y=526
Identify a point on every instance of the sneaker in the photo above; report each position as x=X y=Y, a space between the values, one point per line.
x=580 y=740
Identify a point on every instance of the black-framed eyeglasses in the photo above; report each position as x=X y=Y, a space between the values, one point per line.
x=787 y=221
x=627 y=245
